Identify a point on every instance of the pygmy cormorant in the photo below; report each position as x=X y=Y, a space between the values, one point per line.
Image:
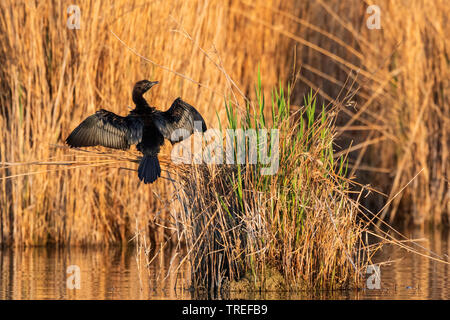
x=144 y=126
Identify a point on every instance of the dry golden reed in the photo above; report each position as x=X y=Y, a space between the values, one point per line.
x=400 y=126
x=295 y=229
x=52 y=77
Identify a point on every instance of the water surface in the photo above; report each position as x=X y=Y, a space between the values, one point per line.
x=117 y=273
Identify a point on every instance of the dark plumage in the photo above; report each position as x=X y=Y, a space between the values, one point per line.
x=144 y=126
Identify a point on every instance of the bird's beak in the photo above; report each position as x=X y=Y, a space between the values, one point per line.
x=151 y=84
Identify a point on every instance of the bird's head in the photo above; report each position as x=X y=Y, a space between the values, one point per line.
x=143 y=86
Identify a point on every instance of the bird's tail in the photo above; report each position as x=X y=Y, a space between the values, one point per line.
x=149 y=169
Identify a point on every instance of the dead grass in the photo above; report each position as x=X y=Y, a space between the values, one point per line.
x=239 y=225
x=52 y=77
x=401 y=73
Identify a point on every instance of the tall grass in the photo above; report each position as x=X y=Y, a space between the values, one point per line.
x=295 y=229
x=416 y=109
x=400 y=79
x=52 y=77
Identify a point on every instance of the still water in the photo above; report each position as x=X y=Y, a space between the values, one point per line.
x=115 y=273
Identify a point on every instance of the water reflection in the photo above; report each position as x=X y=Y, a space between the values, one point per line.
x=414 y=276
x=116 y=273
x=108 y=273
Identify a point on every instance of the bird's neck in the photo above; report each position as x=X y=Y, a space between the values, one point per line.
x=142 y=107
x=139 y=100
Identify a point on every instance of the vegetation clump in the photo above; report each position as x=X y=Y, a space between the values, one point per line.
x=301 y=222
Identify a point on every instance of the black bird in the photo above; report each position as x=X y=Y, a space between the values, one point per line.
x=144 y=126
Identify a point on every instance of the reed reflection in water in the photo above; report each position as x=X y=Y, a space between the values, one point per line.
x=106 y=273
x=116 y=273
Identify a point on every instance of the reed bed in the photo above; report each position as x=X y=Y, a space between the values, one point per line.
x=415 y=104
x=51 y=77
x=295 y=229
x=400 y=79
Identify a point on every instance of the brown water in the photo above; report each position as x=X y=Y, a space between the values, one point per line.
x=41 y=273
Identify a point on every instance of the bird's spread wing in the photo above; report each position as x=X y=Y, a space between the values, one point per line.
x=107 y=129
x=180 y=115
